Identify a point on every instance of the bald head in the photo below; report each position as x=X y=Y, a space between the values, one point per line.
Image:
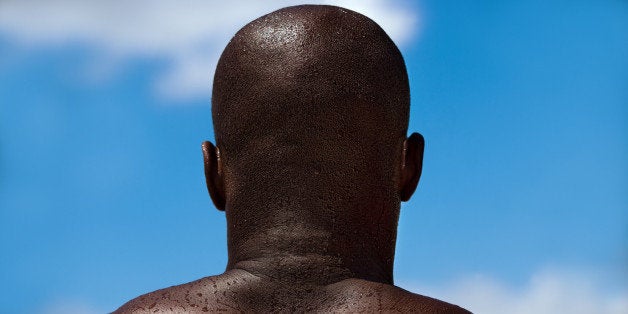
x=305 y=78
x=310 y=107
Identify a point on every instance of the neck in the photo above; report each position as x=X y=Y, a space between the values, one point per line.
x=319 y=253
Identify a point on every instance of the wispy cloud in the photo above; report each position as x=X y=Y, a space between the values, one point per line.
x=190 y=35
x=69 y=307
x=547 y=292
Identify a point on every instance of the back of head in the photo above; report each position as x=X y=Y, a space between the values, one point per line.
x=310 y=108
x=298 y=72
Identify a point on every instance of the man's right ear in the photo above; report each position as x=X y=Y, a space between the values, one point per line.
x=213 y=174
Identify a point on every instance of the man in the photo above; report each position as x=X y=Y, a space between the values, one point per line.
x=310 y=107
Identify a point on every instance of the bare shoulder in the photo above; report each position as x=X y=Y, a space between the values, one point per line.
x=237 y=291
x=172 y=299
x=208 y=294
x=357 y=295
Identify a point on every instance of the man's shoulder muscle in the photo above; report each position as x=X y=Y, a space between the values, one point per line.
x=365 y=296
x=192 y=297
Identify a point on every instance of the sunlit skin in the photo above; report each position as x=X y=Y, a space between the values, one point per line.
x=310 y=107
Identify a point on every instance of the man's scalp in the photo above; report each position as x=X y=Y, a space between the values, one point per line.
x=309 y=71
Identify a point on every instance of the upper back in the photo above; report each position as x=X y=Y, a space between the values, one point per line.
x=238 y=291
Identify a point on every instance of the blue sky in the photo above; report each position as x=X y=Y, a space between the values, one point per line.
x=523 y=201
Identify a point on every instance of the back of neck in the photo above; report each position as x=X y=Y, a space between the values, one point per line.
x=286 y=247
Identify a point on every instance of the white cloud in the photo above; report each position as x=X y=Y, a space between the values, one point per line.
x=548 y=292
x=189 y=34
x=69 y=307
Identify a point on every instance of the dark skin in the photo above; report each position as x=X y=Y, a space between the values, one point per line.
x=310 y=108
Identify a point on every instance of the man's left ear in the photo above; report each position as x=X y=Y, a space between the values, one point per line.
x=411 y=165
x=213 y=174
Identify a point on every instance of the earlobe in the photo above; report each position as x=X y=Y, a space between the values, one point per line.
x=213 y=174
x=411 y=165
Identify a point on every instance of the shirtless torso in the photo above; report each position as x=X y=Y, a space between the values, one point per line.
x=238 y=291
